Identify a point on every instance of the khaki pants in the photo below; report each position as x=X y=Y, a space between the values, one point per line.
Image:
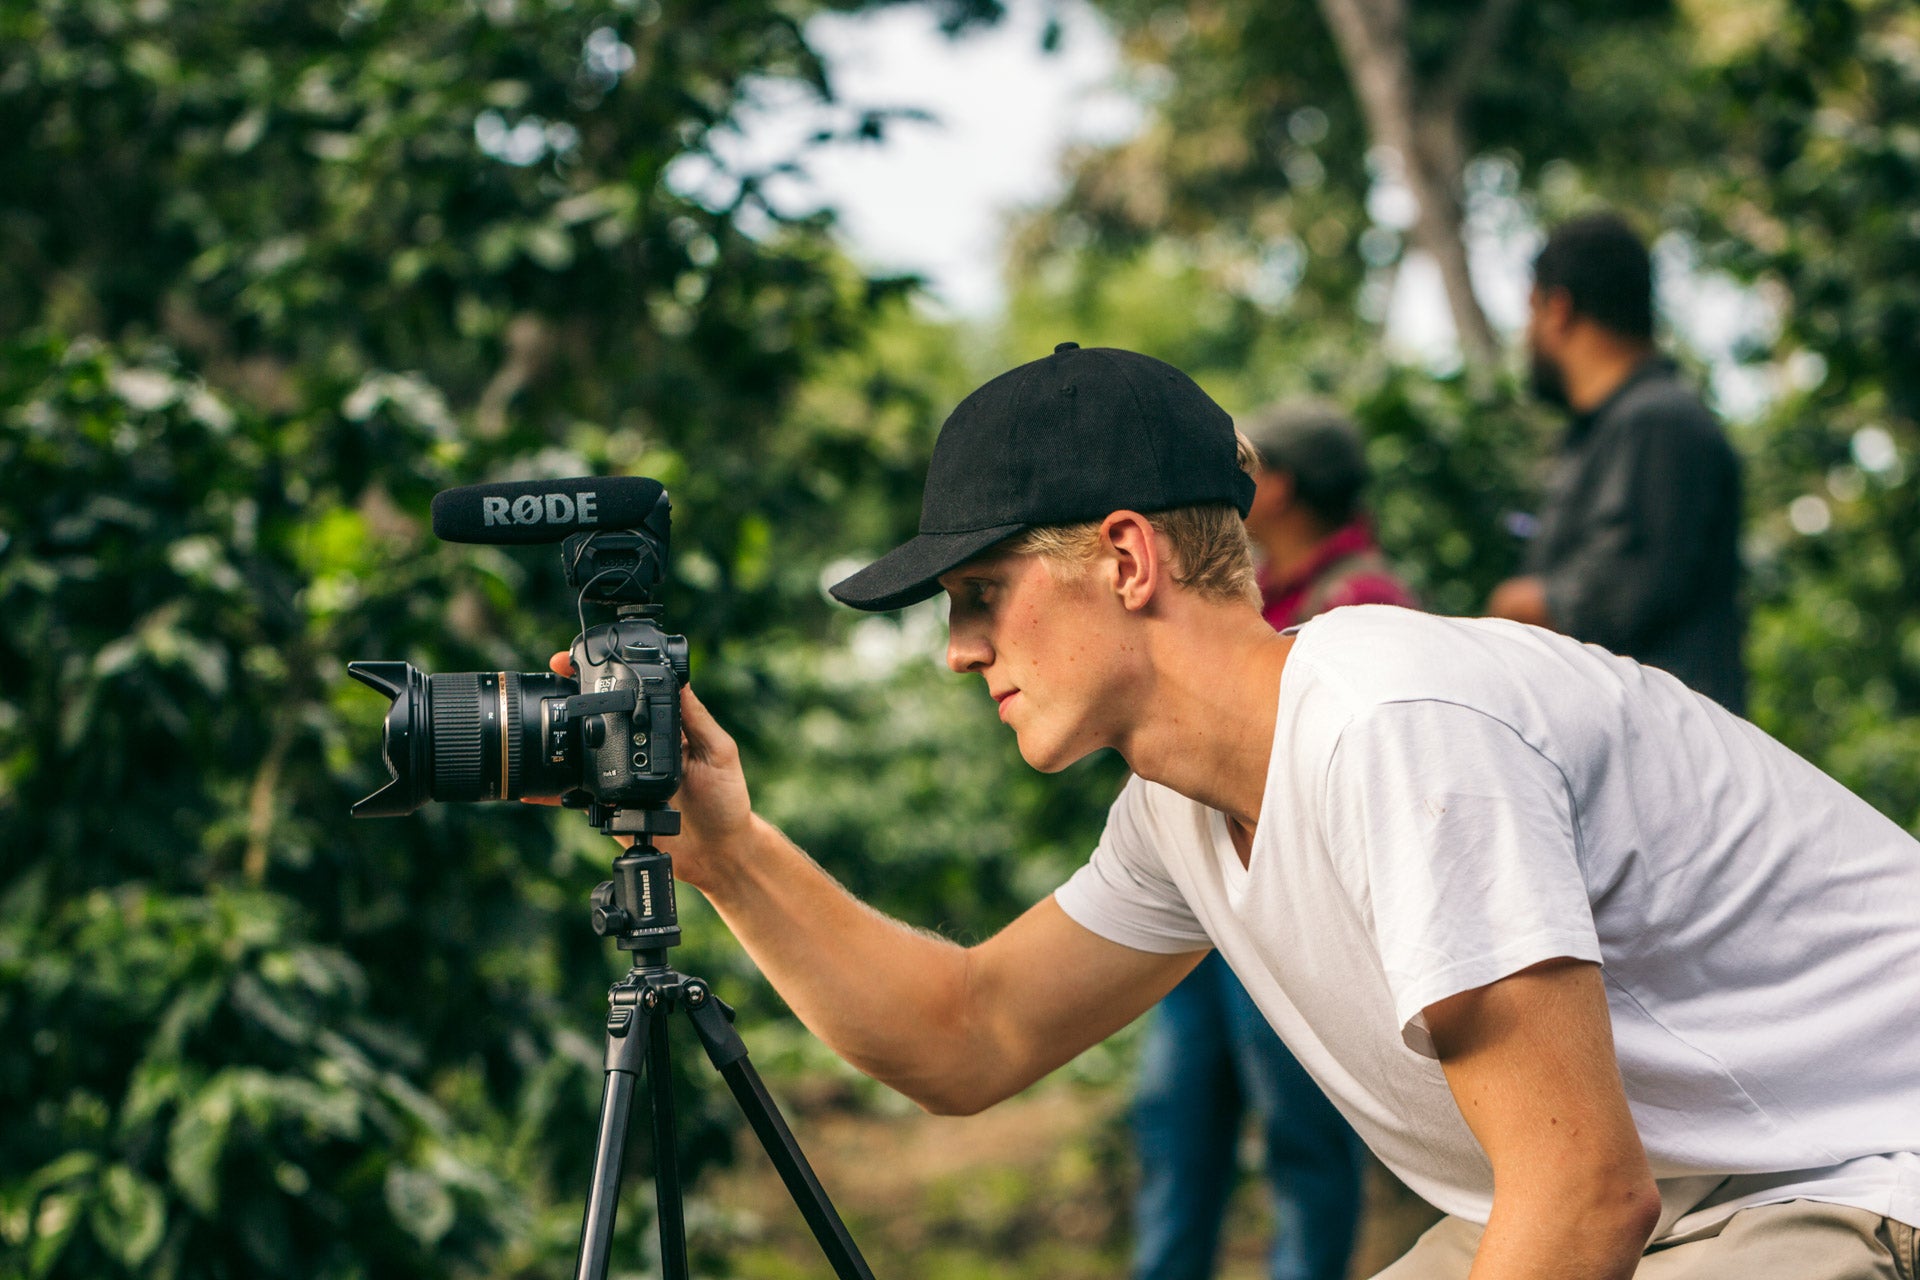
x=1798 y=1240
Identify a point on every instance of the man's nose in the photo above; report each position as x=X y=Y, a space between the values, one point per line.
x=966 y=650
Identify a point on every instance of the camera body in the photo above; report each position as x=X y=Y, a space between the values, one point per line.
x=628 y=758
x=608 y=740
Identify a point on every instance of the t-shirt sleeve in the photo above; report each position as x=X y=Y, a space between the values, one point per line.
x=1123 y=893
x=1455 y=840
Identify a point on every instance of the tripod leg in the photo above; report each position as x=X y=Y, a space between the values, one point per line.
x=729 y=1055
x=630 y=1027
x=666 y=1156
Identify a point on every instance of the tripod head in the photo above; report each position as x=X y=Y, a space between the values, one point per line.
x=636 y=908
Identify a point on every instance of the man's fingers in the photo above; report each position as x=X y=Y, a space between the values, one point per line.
x=561 y=663
x=695 y=716
x=704 y=735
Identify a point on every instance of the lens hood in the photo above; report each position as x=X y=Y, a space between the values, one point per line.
x=404 y=743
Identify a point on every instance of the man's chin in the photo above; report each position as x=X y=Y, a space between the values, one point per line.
x=1051 y=760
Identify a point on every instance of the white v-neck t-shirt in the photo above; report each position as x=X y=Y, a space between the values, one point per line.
x=1450 y=801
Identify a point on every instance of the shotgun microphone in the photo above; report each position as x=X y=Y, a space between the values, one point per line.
x=526 y=512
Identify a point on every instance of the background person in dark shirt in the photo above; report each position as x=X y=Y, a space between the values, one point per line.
x=1638 y=545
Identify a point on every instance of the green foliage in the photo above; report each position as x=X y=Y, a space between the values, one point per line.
x=264 y=1125
x=327 y=260
x=1256 y=158
x=1449 y=466
x=291 y=271
x=217 y=1082
x=1817 y=202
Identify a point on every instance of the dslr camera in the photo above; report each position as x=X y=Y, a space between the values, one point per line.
x=609 y=741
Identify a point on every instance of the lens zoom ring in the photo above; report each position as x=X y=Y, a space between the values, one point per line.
x=455 y=736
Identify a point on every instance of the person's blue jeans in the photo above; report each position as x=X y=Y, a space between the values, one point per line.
x=1210 y=1056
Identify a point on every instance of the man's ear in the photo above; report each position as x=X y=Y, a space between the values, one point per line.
x=1135 y=569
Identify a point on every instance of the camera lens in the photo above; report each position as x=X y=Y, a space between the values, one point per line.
x=464 y=736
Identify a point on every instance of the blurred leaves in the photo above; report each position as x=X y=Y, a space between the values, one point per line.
x=1817 y=202
x=273 y=277
x=215 y=1097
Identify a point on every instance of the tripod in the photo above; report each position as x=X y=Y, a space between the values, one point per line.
x=637 y=909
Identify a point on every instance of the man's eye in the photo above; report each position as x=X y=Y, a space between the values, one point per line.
x=971 y=595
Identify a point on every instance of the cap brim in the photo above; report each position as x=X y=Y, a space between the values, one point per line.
x=908 y=574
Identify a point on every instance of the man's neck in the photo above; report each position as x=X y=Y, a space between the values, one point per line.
x=1599 y=367
x=1207 y=724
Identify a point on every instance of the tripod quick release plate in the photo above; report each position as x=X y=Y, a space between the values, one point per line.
x=642 y=822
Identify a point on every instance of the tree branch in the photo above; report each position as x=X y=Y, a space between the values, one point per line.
x=1470 y=57
x=1371 y=37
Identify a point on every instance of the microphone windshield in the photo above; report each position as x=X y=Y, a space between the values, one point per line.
x=523 y=512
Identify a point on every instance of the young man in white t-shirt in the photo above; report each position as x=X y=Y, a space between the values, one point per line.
x=1598 y=968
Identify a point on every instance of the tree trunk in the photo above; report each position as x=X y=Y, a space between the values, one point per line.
x=1371 y=36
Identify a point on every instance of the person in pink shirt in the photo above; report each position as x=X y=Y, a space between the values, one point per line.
x=1315 y=540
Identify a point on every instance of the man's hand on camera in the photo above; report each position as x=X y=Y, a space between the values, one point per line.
x=716 y=813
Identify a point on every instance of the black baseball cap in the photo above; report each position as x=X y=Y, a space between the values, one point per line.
x=1072 y=437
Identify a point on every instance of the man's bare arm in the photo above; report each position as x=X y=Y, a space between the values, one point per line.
x=954 y=1028
x=1531 y=1064
x=1523 y=600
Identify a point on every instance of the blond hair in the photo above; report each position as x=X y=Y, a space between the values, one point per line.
x=1211 y=554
